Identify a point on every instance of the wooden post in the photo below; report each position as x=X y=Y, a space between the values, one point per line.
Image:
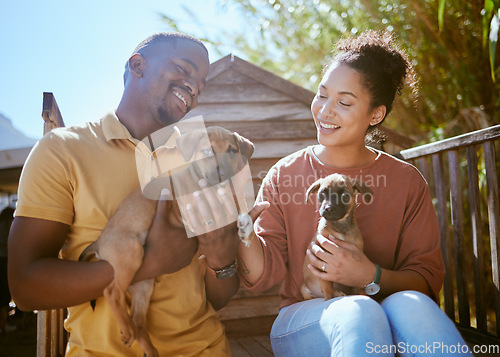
x=50 y=113
x=51 y=336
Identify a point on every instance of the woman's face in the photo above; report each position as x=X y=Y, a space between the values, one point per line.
x=341 y=109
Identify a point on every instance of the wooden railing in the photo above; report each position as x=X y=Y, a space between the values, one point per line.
x=462 y=173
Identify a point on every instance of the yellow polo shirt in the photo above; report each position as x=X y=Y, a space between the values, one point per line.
x=78 y=176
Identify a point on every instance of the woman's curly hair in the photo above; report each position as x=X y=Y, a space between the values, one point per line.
x=384 y=67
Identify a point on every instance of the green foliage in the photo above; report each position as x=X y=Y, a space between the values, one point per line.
x=447 y=41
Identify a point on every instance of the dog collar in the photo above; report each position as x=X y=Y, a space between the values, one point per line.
x=374 y=287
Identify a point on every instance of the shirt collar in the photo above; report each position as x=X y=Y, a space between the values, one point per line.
x=114 y=129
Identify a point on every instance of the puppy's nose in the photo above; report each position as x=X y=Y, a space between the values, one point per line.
x=223 y=174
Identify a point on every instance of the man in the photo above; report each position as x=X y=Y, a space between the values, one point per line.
x=71 y=185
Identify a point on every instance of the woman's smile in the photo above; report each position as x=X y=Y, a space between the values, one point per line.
x=327 y=127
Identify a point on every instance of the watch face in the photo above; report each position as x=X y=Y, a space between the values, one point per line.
x=372 y=289
x=226 y=273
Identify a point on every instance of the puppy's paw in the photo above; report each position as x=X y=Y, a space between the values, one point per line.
x=128 y=336
x=336 y=294
x=245 y=228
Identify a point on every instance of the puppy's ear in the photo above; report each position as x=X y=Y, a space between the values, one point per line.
x=366 y=191
x=313 y=189
x=187 y=143
x=246 y=146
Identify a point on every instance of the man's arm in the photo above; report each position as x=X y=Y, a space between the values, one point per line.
x=220 y=247
x=38 y=279
x=167 y=249
x=219 y=292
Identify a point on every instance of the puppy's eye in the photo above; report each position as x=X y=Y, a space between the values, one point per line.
x=345 y=197
x=207 y=152
x=232 y=150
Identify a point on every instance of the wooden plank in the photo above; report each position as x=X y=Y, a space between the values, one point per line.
x=273 y=81
x=51 y=336
x=242 y=93
x=423 y=167
x=253 y=347
x=477 y=241
x=248 y=112
x=54 y=332
x=230 y=76
x=254 y=326
x=473 y=336
x=244 y=292
x=494 y=222
x=50 y=113
x=42 y=338
x=475 y=137
x=264 y=341
x=458 y=237
x=270 y=129
x=260 y=167
x=63 y=334
x=250 y=307
x=220 y=66
x=280 y=148
x=237 y=350
x=442 y=213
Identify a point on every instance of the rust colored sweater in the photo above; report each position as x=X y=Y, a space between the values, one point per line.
x=399 y=227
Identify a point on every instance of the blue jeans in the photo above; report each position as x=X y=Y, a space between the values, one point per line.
x=406 y=323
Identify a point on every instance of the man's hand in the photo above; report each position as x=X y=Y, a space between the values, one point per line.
x=167 y=248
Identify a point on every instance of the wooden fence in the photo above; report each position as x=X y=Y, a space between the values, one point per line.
x=463 y=176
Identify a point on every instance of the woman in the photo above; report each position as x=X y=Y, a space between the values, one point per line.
x=399 y=226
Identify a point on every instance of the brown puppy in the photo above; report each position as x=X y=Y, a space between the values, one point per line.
x=336 y=196
x=121 y=242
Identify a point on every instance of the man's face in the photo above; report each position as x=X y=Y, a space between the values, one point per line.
x=174 y=76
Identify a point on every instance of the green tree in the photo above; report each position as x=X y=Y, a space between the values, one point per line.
x=452 y=44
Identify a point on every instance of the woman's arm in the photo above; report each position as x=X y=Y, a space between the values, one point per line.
x=251 y=261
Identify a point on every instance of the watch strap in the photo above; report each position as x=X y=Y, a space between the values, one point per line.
x=374 y=287
x=376 y=280
x=225 y=272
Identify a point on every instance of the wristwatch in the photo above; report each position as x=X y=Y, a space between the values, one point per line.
x=374 y=287
x=226 y=272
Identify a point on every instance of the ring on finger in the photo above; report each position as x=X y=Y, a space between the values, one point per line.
x=323 y=267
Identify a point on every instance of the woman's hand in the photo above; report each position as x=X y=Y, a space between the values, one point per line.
x=335 y=260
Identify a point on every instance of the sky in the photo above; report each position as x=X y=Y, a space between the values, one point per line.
x=78 y=49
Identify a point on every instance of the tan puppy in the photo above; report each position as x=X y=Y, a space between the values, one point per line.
x=121 y=242
x=336 y=196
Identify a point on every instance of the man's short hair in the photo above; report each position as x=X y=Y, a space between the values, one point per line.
x=162 y=37
x=167 y=37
